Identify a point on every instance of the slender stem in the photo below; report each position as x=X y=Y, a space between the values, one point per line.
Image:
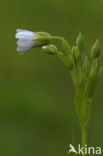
x=82 y=107
x=67 y=55
x=67 y=45
x=84 y=138
x=57 y=38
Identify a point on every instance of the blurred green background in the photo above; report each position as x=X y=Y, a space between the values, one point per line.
x=37 y=113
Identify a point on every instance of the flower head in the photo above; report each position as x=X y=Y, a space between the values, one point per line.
x=28 y=39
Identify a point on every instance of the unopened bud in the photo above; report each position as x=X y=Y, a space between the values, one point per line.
x=76 y=53
x=50 y=49
x=86 y=65
x=95 y=51
x=70 y=61
x=94 y=68
x=80 y=42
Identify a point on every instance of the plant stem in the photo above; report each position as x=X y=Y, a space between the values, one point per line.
x=66 y=46
x=83 y=113
x=84 y=138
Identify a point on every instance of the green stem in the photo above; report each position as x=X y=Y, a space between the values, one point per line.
x=66 y=46
x=84 y=137
x=58 y=38
x=83 y=112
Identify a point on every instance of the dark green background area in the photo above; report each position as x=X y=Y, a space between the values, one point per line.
x=37 y=111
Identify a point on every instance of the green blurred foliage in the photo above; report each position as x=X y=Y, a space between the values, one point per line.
x=37 y=113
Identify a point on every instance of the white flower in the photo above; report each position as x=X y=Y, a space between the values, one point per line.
x=26 y=40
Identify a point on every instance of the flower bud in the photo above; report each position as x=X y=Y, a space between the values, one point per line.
x=50 y=49
x=86 y=65
x=94 y=68
x=95 y=51
x=93 y=77
x=70 y=62
x=80 y=42
x=76 y=53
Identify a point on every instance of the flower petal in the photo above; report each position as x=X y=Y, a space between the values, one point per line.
x=25 y=43
x=22 y=30
x=20 y=48
x=25 y=34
